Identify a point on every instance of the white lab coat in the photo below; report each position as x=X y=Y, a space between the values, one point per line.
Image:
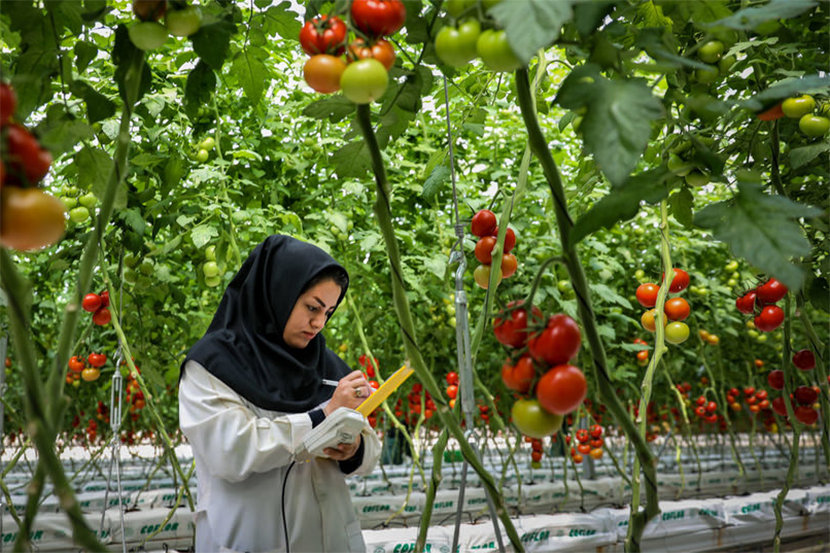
x=243 y=454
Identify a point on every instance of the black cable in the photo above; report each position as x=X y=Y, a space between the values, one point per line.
x=284 y=523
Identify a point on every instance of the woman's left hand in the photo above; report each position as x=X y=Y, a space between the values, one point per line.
x=343 y=451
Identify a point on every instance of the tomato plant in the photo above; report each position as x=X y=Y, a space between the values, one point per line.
x=558 y=342
x=534 y=421
x=323 y=72
x=378 y=17
x=324 y=35
x=561 y=389
x=364 y=81
x=30 y=219
x=512 y=330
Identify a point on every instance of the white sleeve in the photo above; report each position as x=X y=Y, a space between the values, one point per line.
x=371 y=451
x=229 y=437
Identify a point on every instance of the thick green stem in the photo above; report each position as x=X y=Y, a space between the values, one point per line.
x=384 y=215
x=607 y=390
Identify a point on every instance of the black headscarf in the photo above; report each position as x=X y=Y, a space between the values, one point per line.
x=243 y=345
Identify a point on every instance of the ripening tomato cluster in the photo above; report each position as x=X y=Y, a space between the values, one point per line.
x=78 y=368
x=561 y=388
x=414 y=402
x=642 y=355
x=806 y=396
x=134 y=397
x=368 y=366
x=461 y=39
x=590 y=443
x=812 y=117
x=148 y=34
x=760 y=302
x=363 y=75
x=675 y=309
x=452 y=387
x=30 y=219
x=537 y=451
x=98 y=305
x=485 y=226
x=756 y=400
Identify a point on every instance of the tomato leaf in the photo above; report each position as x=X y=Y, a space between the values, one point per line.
x=251 y=73
x=352 y=160
x=763 y=229
x=618 y=120
x=211 y=42
x=334 y=108
x=608 y=295
x=201 y=82
x=85 y=52
x=622 y=203
x=439 y=176
x=94 y=167
x=203 y=234
x=281 y=20
x=805 y=154
x=680 y=205
x=819 y=293
x=531 y=24
x=749 y=18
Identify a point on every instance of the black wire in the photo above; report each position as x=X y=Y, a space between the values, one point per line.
x=284 y=523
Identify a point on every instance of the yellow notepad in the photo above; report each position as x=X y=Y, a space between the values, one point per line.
x=392 y=383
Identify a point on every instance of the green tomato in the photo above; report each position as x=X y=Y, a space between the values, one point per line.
x=731 y=282
x=207 y=144
x=456 y=47
x=457 y=7
x=79 y=214
x=725 y=64
x=532 y=420
x=202 y=155
x=364 y=81
x=708 y=75
x=796 y=108
x=564 y=285
x=69 y=202
x=213 y=282
x=70 y=190
x=677 y=332
x=210 y=269
x=482 y=275
x=814 y=125
x=701 y=291
x=679 y=167
x=210 y=253
x=639 y=274
x=88 y=200
x=183 y=22
x=697 y=178
x=147 y=267
x=732 y=266
x=710 y=52
x=147 y=35
x=495 y=51
x=762 y=338
x=130 y=260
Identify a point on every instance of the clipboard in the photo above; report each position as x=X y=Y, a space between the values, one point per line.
x=392 y=383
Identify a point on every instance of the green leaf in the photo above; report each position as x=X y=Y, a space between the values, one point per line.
x=211 y=42
x=352 y=160
x=651 y=15
x=809 y=84
x=680 y=205
x=748 y=19
x=589 y=15
x=608 y=295
x=98 y=106
x=122 y=55
x=85 y=52
x=617 y=124
x=439 y=176
x=333 y=108
x=437 y=264
x=134 y=220
x=531 y=25
x=201 y=82
x=819 y=294
x=282 y=21
x=622 y=203
x=252 y=74
x=805 y=154
x=94 y=166
x=203 y=234
x=763 y=229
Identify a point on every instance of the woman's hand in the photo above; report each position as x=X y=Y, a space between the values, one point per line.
x=350 y=393
x=343 y=451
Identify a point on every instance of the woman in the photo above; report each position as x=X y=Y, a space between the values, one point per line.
x=257 y=382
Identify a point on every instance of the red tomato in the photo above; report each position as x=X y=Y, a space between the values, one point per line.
x=749 y=390
x=484 y=249
x=769 y=319
x=583 y=435
x=806 y=415
x=509 y=264
x=483 y=223
x=509 y=239
x=804 y=360
x=519 y=377
x=381 y=50
x=679 y=282
x=105 y=298
x=26 y=161
x=677 y=309
x=76 y=364
x=779 y=406
x=452 y=391
x=771 y=291
x=647 y=294
x=596 y=453
x=102 y=316
x=562 y=389
x=536 y=456
x=149 y=10
x=91 y=303
x=513 y=331
x=771 y=114
x=374 y=384
x=322 y=73
x=596 y=431
x=378 y=17
x=323 y=35
x=452 y=378
x=584 y=448
x=8 y=102
x=90 y=374
x=97 y=359
x=805 y=395
x=558 y=342
x=776 y=380
x=746 y=303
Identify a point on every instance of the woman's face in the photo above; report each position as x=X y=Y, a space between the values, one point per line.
x=310 y=313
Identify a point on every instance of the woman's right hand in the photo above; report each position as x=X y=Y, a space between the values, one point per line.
x=350 y=392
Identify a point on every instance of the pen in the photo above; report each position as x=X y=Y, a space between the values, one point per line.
x=328 y=382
